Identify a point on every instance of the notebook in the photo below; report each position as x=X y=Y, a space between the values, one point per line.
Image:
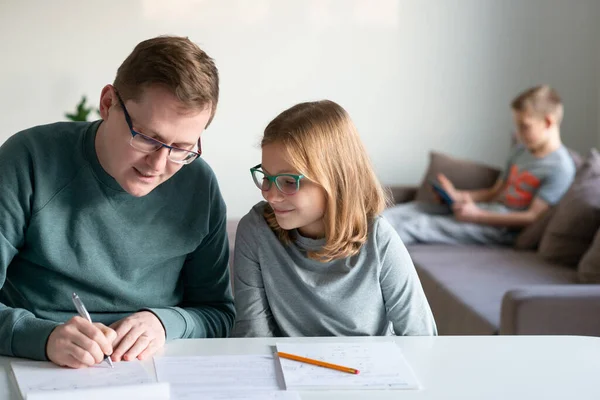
x=40 y=379
x=381 y=366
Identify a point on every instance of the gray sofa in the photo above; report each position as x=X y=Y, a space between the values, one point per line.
x=477 y=290
x=480 y=290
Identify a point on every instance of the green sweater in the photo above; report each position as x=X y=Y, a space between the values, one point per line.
x=67 y=226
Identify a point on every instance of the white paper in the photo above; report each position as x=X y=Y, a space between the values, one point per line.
x=381 y=366
x=33 y=376
x=194 y=392
x=246 y=372
x=146 y=391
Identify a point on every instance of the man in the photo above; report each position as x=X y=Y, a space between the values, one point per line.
x=538 y=173
x=121 y=211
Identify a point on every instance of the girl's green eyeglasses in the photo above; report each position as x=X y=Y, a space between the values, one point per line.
x=285 y=183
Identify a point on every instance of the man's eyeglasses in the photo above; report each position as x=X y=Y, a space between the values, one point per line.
x=146 y=144
x=285 y=183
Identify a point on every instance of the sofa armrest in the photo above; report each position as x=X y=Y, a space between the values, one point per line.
x=402 y=194
x=551 y=310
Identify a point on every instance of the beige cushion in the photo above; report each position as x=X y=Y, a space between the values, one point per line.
x=576 y=218
x=464 y=174
x=588 y=269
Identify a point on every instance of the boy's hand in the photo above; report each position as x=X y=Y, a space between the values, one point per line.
x=139 y=335
x=454 y=193
x=466 y=210
x=79 y=343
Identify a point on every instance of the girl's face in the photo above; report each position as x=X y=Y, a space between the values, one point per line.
x=303 y=210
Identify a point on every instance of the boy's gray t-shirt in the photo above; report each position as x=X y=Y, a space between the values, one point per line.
x=528 y=177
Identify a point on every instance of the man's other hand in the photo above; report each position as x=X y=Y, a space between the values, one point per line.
x=138 y=336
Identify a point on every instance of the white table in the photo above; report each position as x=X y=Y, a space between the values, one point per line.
x=448 y=367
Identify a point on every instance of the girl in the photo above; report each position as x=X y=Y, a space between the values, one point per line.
x=316 y=259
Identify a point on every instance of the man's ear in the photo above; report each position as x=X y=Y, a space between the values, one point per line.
x=107 y=99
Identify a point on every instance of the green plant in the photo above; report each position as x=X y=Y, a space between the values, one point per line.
x=82 y=112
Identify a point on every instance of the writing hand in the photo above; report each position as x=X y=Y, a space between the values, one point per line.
x=79 y=343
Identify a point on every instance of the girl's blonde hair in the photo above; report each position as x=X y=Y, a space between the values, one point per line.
x=322 y=143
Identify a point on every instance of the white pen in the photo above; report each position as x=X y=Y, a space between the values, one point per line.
x=84 y=314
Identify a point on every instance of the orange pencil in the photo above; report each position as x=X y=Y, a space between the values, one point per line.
x=317 y=362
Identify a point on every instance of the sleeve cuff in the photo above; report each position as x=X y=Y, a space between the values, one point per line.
x=30 y=336
x=173 y=321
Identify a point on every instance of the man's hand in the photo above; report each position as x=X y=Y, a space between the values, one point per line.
x=466 y=210
x=78 y=343
x=139 y=335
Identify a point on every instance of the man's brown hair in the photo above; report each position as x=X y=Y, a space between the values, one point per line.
x=175 y=63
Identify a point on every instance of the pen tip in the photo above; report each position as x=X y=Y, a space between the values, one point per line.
x=109 y=361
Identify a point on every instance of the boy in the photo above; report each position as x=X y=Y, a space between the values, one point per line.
x=538 y=173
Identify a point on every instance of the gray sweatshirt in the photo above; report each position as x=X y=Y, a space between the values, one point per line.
x=279 y=291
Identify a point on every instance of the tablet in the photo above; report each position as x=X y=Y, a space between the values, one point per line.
x=442 y=193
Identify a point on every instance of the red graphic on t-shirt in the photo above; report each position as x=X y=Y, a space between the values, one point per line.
x=521 y=188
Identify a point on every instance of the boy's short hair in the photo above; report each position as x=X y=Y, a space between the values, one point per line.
x=539 y=101
x=175 y=63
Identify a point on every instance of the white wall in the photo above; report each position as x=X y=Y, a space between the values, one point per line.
x=414 y=74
